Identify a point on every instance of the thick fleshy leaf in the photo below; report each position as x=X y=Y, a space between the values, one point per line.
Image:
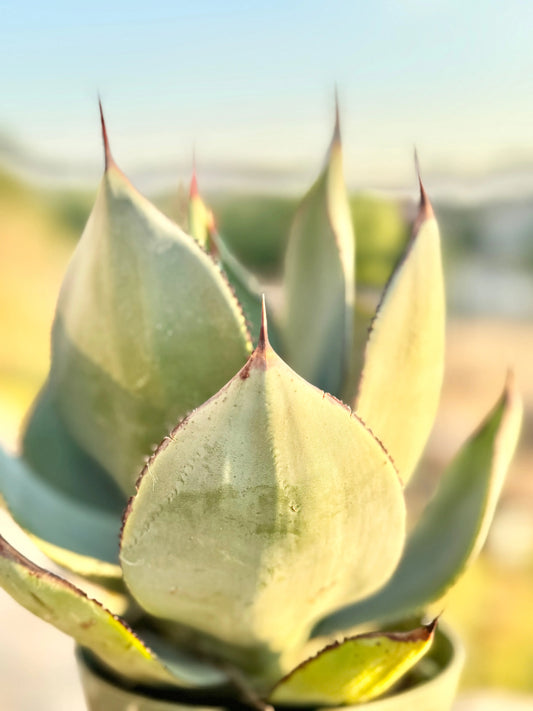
x=62 y=497
x=267 y=475
x=66 y=607
x=453 y=526
x=199 y=215
x=404 y=359
x=430 y=685
x=358 y=669
x=57 y=459
x=246 y=287
x=146 y=329
x=319 y=280
x=78 y=536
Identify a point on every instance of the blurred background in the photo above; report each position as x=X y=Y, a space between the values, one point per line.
x=249 y=87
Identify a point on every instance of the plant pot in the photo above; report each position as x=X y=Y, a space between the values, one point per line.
x=430 y=686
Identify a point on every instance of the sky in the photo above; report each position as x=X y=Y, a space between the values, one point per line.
x=252 y=83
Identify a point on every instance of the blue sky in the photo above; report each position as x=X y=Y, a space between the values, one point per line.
x=252 y=82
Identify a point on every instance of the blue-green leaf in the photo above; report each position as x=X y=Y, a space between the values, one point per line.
x=404 y=358
x=246 y=287
x=76 y=535
x=319 y=280
x=453 y=526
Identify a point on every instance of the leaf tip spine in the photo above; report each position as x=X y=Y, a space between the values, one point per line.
x=337 y=127
x=511 y=393
x=262 y=352
x=425 y=209
x=263 y=342
x=430 y=627
x=108 y=158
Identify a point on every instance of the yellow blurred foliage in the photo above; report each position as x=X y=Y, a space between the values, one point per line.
x=34 y=250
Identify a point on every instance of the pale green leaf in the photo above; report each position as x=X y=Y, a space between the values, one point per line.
x=199 y=217
x=146 y=329
x=246 y=287
x=358 y=669
x=77 y=535
x=267 y=475
x=453 y=526
x=404 y=359
x=319 y=280
x=66 y=607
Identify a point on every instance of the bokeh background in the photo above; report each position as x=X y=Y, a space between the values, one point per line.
x=248 y=88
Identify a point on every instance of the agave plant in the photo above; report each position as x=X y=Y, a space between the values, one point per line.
x=261 y=557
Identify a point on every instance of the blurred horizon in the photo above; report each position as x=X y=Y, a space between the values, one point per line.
x=503 y=181
x=250 y=89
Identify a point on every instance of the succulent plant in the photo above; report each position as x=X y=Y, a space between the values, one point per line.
x=262 y=554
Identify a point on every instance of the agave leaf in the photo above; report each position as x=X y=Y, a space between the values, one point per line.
x=431 y=684
x=56 y=458
x=146 y=329
x=265 y=476
x=202 y=227
x=247 y=288
x=356 y=670
x=319 y=279
x=199 y=216
x=453 y=526
x=78 y=536
x=404 y=359
x=66 y=607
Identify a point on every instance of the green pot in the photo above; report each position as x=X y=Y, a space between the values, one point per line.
x=430 y=686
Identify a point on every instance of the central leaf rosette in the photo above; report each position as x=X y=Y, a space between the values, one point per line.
x=270 y=506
